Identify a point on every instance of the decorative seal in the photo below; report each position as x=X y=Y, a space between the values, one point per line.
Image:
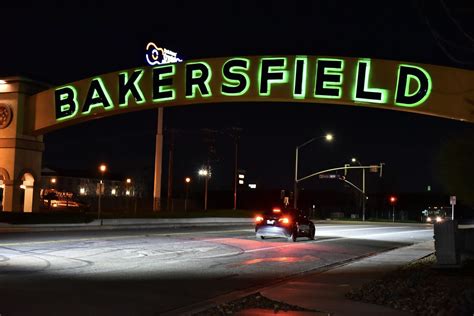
x=6 y=115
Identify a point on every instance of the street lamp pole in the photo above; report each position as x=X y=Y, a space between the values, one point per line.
x=206 y=174
x=354 y=160
x=328 y=137
x=295 y=189
x=187 y=180
x=102 y=169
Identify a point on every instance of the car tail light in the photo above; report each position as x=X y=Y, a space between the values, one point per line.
x=284 y=220
x=276 y=210
x=258 y=219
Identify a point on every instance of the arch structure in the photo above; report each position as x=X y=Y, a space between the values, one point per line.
x=29 y=109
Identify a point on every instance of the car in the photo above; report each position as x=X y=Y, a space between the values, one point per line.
x=288 y=223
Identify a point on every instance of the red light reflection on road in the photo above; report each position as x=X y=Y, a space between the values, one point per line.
x=280 y=259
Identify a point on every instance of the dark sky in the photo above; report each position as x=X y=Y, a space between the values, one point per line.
x=65 y=45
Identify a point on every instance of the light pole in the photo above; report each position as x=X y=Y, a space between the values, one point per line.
x=102 y=169
x=187 y=181
x=393 y=201
x=329 y=138
x=355 y=160
x=206 y=174
x=128 y=191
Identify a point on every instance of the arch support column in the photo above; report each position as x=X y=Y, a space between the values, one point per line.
x=20 y=153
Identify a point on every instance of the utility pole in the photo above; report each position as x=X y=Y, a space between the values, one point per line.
x=170 y=172
x=158 y=158
x=363 y=194
x=235 y=172
x=206 y=179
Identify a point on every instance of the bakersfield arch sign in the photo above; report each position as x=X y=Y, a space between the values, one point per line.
x=425 y=89
x=29 y=109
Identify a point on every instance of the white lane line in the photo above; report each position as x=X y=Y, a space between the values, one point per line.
x=403 y=232
x=357 y=229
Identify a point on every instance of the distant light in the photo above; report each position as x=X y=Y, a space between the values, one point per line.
x=102 y=168
x=428 y=188
x=241 y=176
x=53 y=180
x=127 y=192
x=252 y=185
x=241 y=181
x=82 y=191
x=203 y=172
x=114 y=191
x=3 y=82
x=276 y=210
x=187 y=179
x=353 y=160
x=329 y=137
x=129 y=180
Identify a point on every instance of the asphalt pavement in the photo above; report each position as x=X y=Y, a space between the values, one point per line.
x=152 y=271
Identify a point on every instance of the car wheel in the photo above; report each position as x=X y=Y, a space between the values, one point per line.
x=312 y=232
x=260 y=237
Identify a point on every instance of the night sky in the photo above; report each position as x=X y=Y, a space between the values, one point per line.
x=64 y=45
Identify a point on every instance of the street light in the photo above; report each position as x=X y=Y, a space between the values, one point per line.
x=206 y=174
x=393 y=201
x=187 y=181
x=328 y=137
x=102 y=169
x=355 y=160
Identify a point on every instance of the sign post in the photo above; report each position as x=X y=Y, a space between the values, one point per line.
x=452 y=201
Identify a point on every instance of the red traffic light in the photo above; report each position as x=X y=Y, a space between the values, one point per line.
x=393 y=199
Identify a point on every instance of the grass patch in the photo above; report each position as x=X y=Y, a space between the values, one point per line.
x=71 y=218
x=421 y=289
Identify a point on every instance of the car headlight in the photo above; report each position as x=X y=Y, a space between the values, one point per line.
x=428 y=219
x=438 y=219
x=54 y=204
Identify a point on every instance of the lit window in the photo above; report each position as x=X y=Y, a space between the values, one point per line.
x=241 y=181
x=82 y=191
x=127 y=192
x=114 y=191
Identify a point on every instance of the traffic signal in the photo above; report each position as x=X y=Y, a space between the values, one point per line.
x=393 y=199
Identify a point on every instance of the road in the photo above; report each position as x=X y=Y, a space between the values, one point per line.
x=152 y=271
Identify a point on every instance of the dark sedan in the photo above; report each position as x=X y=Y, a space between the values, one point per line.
x=288 y=223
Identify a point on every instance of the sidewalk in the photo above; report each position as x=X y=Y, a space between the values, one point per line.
x=325 y=292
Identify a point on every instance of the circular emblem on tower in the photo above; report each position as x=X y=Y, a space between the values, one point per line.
x=6 y=115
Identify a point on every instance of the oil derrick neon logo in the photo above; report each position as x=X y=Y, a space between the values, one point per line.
x=157 y=56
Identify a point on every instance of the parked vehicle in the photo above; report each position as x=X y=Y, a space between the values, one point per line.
x=53 y=200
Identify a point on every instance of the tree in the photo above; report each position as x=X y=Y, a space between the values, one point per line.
x=455 y=165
